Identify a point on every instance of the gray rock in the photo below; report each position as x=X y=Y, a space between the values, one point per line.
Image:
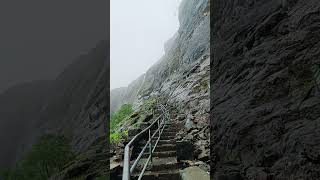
x=229 y=176
x=264 y=105
x=181 y=117
x=194 y=173
x=257 y=174
x=189 y=124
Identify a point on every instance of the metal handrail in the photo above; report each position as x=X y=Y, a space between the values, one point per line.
x=127 y=171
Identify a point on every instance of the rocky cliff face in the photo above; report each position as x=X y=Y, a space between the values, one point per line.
x=188 y=46
x=265 y=96
x=78 y=107
x=74 y=105
x=125 y=95
x=181 y=76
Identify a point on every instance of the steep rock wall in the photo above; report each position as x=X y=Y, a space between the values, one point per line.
x=265 y=101
x=78 y=106
x=125 y=95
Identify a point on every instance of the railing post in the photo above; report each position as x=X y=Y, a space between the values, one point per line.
x=150 y=145
x=126 y=165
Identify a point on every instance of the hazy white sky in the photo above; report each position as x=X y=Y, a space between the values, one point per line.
x=139 y=29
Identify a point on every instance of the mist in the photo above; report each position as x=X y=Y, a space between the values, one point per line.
x=40 y=38
x=139 y=30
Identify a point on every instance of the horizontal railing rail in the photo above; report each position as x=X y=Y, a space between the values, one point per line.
x=160 y=123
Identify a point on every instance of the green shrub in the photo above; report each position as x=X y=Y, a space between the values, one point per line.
x=47 y=157
x=148 y=104
x=115 y=137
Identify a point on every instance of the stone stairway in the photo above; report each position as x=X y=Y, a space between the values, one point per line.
x=164 y=165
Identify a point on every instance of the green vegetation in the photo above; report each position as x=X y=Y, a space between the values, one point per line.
x=116 y=136
x=46 y=158
x=204 y=85
x=126 y=117
x=117 y=119
x=148 y=104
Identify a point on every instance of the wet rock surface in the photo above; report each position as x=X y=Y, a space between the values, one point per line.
x=265 y=97
x=91 y=164
x=184 y=150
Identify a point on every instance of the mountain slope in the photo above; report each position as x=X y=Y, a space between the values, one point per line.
x=19 y=107
x=73 y=90
x=73 y=105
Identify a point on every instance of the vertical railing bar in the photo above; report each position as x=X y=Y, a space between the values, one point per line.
x=144 y=168
x=159 y=126
x=150 y=144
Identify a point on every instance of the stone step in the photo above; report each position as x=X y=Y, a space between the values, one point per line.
x=159 y=175
x=161 y=154
x=158 y=164
x=162 y=167
x=168 y=128
x=156 y=153
x=155 y=138
x=161 y=147
x=161 y=142
x=165 y=147
x=164 y=136
x=166 y=133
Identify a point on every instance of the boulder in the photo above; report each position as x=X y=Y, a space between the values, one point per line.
x=190 y=124
x=194 y=173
